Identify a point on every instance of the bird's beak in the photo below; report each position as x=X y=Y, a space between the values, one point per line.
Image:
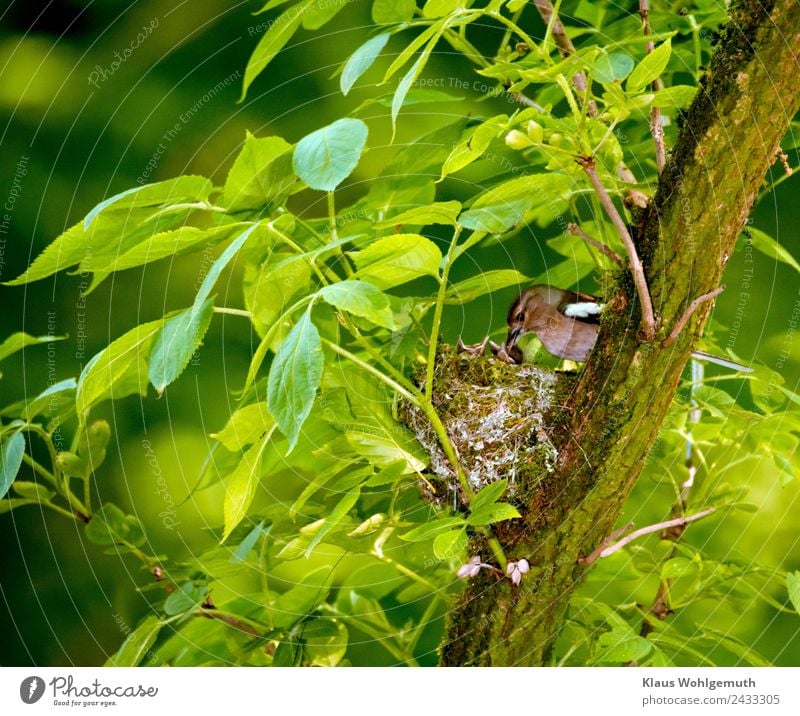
x=513 y=337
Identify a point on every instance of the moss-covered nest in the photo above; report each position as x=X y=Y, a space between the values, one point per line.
x=495 y=415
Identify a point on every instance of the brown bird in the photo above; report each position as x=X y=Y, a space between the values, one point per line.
x=566 y=322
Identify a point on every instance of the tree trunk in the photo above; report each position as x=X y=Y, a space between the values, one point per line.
x=728 y=141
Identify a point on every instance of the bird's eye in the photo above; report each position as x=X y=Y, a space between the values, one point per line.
x=520 y=316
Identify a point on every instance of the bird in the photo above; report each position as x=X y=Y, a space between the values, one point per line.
x=566 y=322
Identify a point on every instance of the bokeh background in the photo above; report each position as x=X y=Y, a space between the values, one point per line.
x=95 y=96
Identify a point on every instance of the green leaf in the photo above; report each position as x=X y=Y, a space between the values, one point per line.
x=11 y=450
x=19 y=341
x=272 y=288
x=502 y=207
x=393 y=472
x=187 y=597
x=118 y=370
x=219 y=265
x=176 y=343
x=388 y=12
x=246 y=545
x=440 y=212
x=675 y=97
x=245 y=426
x=440 y=8
x=611 y=67
x=768 y=246
x=405 y=85
x=361 y=299
x=325 y=647
x=793 y=587
x=620 y=646
x=32 y=490
x=474 y=144
x=7 y=504
x=397 y=259
x=260 y=175
x=241 y=487
x=110 y=526
x=325 y=158
x=294 y=377
x=335 y=517
x=322 y=12
x=361 y=60
x=489 y=514
x=487 y=282
x=171 y=191
x=450 y=544
x=488 y=495
x=274 y=40
x=432 y=529
x=650 y=68
x=137 y=644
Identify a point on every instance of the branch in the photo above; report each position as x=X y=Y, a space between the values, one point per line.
x=648 y=317
x=565 y=46
x=687 y=314
x=575 y=230
x=627 y=539
x=656 y=127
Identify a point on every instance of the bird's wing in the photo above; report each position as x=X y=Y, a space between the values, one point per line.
x=581 y=307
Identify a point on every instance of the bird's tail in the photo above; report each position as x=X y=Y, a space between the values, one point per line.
x=726 y=362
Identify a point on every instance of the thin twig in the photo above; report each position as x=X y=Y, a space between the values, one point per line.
x=687 y=314
x=595 y=554
x=576 y=230
x=656 y=127
x=677 y=522
x=648 y=317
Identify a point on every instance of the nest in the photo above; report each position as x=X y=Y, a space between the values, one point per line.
x=494 y=414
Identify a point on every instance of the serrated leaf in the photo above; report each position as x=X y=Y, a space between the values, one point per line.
x=241 y=487
x=488 y=495
x=335 y=517
x=361 y=60
x=170 y=191
x=12 y=449
x=245 y=426
x=137 y=644
x=261 y=174
x=432 y=529
x=19 y=341
x=450 y=544
x=272 y=290
x=650 y=67
x=489 y=514
x=387 y=12
x=176 y=343
x=294 y=377
x=325 y=158
x=440 y=212
x=274 y=40
x=396 y=259
x=361 y=299
x=118 y=370
x=486 y=282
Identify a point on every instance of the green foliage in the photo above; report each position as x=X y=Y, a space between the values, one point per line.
x=322 y=514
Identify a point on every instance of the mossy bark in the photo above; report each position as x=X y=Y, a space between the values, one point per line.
x=728 y=140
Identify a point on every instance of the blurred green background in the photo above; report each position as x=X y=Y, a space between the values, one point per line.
x=79 y=125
